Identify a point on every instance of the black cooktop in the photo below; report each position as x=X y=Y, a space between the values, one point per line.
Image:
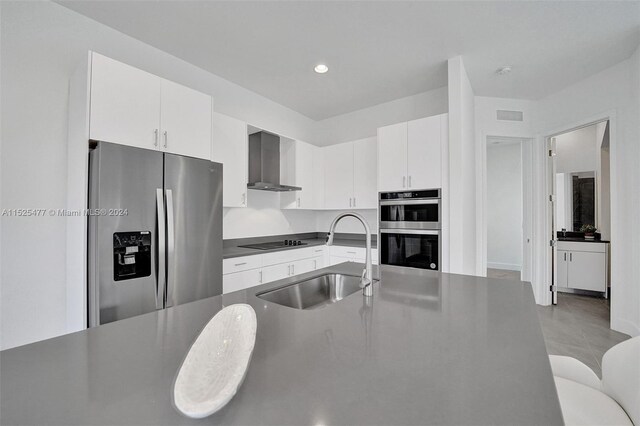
x=275 y=245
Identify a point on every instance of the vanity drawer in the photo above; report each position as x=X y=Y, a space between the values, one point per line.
x=244 y=263
x=578 y=246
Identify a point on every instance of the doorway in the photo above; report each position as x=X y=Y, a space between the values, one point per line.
x=508 y=211
x=580 y=229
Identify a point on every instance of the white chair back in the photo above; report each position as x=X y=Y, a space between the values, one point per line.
x=621 y=376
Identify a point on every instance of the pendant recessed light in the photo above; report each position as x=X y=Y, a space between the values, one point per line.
x=503 y=70
x=321 y=68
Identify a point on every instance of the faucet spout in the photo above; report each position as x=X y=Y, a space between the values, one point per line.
x=367 y=280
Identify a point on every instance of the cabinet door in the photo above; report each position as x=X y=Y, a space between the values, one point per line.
x=365 y=173
x=185 y=121
x=303 y=266
x=338 y=190
x=424 y=163
x=240 y=280
x=276 y=272
x=296 y=168
x=318 y=178
x=392 y=157
x=562 y=268
x=587 y=271
x=230 y=149
x=125 y=104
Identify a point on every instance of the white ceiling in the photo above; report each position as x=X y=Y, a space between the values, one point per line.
x=380 y=51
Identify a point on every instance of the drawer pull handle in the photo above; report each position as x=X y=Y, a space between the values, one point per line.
x=351 y=252
x=240 y=264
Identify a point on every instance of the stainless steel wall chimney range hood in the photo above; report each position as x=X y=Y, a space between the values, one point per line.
x=264 y=163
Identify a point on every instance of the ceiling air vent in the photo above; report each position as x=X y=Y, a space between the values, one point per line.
x=504 y=115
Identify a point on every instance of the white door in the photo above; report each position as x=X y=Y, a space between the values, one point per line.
x=304 y=175
x=562 y=268
x=303 y=266
x=338 y=166
x=365 y=173
x=276 y=272
x=392 y=157
x=230 y=148
x=424 y=168
x=587 y=271
x=318 y=178
x=240 y=280
x=185 y=121
x=125 y=104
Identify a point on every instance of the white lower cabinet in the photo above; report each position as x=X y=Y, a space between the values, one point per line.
x=241 y=280
x=240 y=273
x=582 y=266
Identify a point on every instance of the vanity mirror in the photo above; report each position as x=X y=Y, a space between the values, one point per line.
x=576 y=200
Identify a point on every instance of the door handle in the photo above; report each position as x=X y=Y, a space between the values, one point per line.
x=155 y=137
x=162 y=255
x=404 y=181
x=298 y=201
x=354 y=201
x=293 y=269
x=565 y=257
x=171 y=247
x=409 y=181
x=288 y=270
x=166 y=138
x=570 y=257
x=260 y=277
x=244 y=199
x=315 y=264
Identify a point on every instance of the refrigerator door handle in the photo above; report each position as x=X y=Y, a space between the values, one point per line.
x=171 y=247
x=161 y=247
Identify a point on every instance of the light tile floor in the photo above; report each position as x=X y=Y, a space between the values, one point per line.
x=577 y=326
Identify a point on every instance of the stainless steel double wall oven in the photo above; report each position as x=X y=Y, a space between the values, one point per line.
x=410 y=227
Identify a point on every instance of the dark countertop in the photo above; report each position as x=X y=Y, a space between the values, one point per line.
x=427 y=348
x=581 y=240
x=229 y=252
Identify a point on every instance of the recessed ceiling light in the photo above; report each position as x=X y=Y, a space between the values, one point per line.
x=503 y=70
x=321 y=68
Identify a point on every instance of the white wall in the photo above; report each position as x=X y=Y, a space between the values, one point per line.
x=577 y=151
x=348 y=224
x=41 y=45
x=504 y=211
x=462 y=169
x=263 y=217
x=615 y=93
x=364 y=123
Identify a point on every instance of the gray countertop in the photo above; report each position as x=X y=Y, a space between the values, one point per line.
x=581 y=240
x=229 y=252
x=427 y=348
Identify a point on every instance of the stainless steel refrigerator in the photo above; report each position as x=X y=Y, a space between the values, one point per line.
x=155 y=231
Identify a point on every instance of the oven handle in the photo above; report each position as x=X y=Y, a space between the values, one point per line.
x=409 y=202
x=409 y=231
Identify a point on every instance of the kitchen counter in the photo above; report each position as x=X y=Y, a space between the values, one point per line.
x=427 y=348
x=229 y=252
x=580 y=240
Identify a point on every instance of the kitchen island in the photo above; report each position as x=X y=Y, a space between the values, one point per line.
x=427 y=348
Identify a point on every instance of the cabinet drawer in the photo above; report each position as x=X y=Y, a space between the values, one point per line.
x=350 y=252
x=578 y=246
x=241 y=280
x=237 y=264
x=286 y=256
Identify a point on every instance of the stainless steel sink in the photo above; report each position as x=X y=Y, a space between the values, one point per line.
x=315 y=292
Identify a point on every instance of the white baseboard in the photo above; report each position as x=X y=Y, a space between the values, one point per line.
x=506 y=266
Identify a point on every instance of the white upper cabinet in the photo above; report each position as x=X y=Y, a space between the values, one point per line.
x=125 y=104
x=338 y=167
x=410 y=154
x=365 y=166
x=185 y=119
x=133 y=107
x=350 y=175
x=424 y=169
x=392 y=157
x=296 y=169
x=230 y=147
